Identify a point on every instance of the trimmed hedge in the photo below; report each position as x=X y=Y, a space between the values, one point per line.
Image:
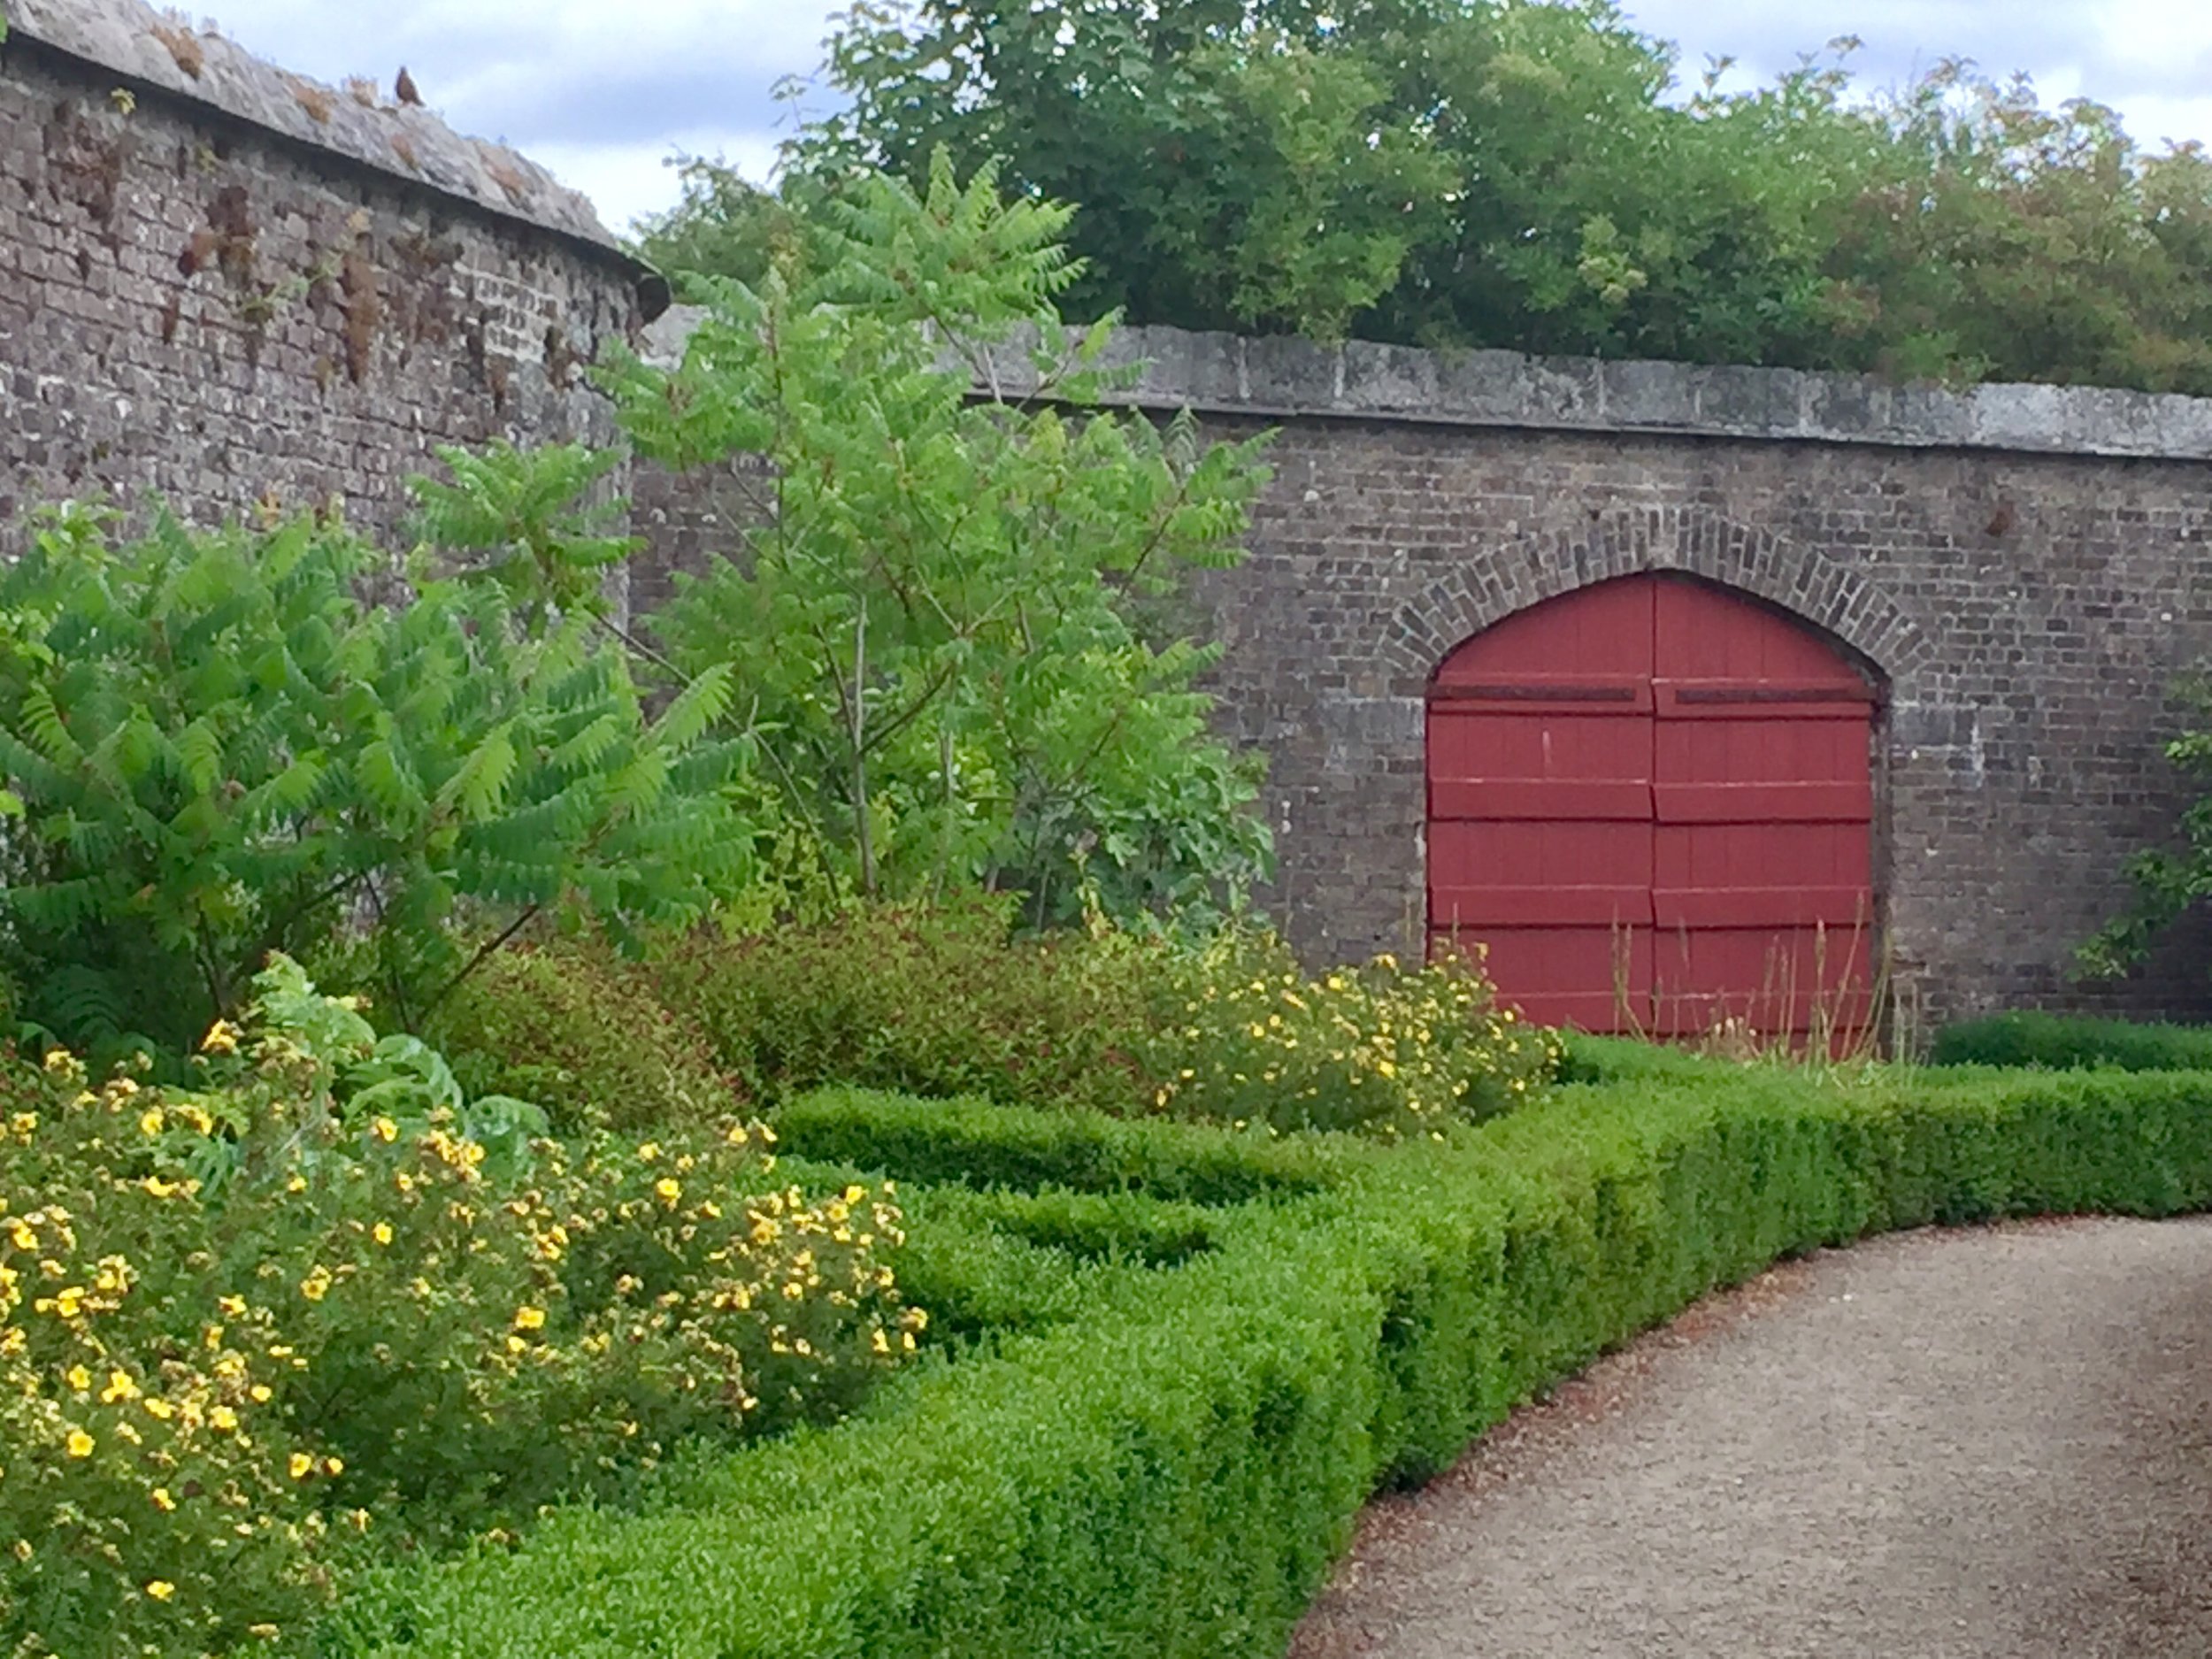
x=975 y=1143
x=1584 y=1058
x=2063 y=1043
x=1174 y=1477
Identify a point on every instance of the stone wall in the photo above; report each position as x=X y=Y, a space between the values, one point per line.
x=217 y=280
x=2025 y=568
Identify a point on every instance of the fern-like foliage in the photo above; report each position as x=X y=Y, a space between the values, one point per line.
x=213 y=748
x=957 y=625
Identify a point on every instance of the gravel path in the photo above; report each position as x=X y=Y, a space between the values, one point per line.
x=1988 y=1444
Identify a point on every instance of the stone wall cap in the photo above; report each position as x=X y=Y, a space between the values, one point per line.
x=151 y=48
x=1280 y=377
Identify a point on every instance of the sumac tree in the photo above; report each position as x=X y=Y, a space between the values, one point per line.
x=932 y=616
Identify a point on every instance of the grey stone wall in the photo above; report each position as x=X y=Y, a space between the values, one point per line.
x=196 y=299
x=2026 y=569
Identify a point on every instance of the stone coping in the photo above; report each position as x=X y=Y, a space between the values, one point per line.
x=1286 y=377
x=128 y=38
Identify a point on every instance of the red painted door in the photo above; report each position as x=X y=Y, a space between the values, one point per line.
x=1651 y=802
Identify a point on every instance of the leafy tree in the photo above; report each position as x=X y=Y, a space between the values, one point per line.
x=217 y=747
x=723 y=224
x=1523 y=173
x=932 y=618
x=1237 y=164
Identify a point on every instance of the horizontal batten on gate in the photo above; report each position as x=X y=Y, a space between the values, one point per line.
x=1540 y=907
x=1763 y=802
x=1806 y=908
x=1543 y=800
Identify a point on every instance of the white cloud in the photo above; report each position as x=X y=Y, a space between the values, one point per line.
x=627 y=182
x=603 y=93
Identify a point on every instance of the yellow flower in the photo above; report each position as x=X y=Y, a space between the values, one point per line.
x=163 y=1500
x=648 y=1152
x=222 y=1419
x=669 y=1191
x=152 y=1122
x=79 y=1378
x=222 y=1037
x=530 y=1319
x=382 y=1232
x=300 y=1465
x=333 y=1465
x=160 y=1411
x=120 y=1388
x=23 y=1549
x=233 y=1307
x=80 y=1444
x=316 y=1285
x=161 y=1589
x=385 y=1130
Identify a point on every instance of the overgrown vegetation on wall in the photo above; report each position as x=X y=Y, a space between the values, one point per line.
x=2171 y=880
x=1521 y=173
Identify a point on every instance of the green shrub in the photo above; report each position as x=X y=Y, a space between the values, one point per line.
x=217 y=746
x=981 y=1144
x=1241 y=1036
x=1584 y=1058
x=573 y=1028
x=1173 y=1475
x=978 y=1282
x=928 y=999
x=299 y=1302
x=1121 y=1227
x=2029 y=1038
x=940 y=1001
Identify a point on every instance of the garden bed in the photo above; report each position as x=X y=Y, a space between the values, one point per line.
x=1171 y=1469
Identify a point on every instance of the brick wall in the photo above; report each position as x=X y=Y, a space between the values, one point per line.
x=2026 y=569
x=195 y=303
x=217 y=280
x=2026 y=612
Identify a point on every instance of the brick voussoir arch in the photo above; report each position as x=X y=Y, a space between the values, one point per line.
x=1628 y=541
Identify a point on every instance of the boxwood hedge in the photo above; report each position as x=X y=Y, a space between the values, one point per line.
x=2061 y=1041
x=1171 y=1475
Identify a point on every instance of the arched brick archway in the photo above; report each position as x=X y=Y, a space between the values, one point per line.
x=1832 y=597
x=1651 y=800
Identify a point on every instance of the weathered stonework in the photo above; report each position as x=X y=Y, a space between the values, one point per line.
x=2026 y=569
x=217 y=280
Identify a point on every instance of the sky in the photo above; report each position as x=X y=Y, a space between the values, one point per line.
x=604 y=93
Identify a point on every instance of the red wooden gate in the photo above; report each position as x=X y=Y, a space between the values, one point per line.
x=1651 y=801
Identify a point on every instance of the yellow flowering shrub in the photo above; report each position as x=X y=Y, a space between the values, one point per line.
x=1243 y=1037
x=146 y=1494
x=300 y=1310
